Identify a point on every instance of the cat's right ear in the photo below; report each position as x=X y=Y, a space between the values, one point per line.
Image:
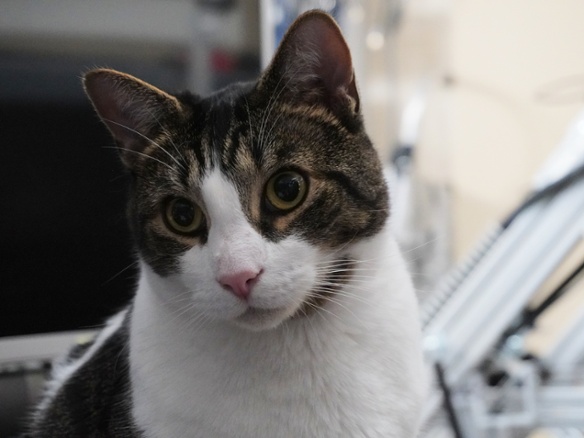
x=133 y=110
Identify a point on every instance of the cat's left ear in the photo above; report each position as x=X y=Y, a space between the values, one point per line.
x=313 y=65
x=133 y=110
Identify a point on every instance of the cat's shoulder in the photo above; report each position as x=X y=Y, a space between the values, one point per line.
x=89 y=391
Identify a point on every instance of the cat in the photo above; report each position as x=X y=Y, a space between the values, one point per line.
x=272 y=300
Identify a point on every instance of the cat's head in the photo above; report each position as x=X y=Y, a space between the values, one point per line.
x=247 y=204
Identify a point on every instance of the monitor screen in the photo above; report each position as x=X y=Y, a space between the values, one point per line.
x=65 y=251
x=66 y=256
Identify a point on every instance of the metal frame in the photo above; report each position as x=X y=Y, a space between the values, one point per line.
x=466 y=328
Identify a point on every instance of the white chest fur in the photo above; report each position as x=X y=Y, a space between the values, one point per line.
x=352 y=369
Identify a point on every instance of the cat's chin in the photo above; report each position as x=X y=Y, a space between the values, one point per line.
x=258 y=319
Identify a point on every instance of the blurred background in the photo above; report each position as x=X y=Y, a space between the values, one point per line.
x=475 y=107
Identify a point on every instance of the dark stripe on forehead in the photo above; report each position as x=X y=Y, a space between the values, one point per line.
x=229 y=156
x=200 y=155
x=219 y=125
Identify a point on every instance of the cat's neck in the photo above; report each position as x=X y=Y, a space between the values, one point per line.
x=333 y=359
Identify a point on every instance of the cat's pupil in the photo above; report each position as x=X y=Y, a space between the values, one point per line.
x=183 y=213
x=287 y=187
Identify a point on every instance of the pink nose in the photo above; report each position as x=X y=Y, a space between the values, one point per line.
x=240 y=283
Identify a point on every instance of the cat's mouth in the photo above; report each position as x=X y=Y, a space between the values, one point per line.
x=256 y=318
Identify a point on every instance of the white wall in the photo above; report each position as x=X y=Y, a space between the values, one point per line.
x=491 y=129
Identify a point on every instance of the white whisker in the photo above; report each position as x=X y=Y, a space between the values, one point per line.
x=150 y=141
x=141 y=154
x=113 y=277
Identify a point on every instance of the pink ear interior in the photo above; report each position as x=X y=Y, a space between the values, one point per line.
x=115 y=106
x=130 y=108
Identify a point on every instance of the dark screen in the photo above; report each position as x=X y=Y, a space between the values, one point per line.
x=65 y=252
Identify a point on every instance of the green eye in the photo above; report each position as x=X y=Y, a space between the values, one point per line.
x=286 y=190
x=182 y=216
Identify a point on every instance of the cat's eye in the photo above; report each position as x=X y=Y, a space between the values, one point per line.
x=286 y=190
x=183 y=216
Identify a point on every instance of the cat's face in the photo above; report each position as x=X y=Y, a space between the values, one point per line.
x=246 y=205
